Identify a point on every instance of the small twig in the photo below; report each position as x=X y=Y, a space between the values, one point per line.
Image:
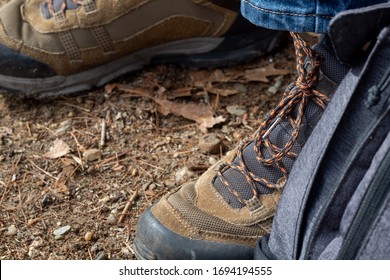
x=28 y=129
x=128 y=204
x=128 y=247
x=103 y=134
x=130 y=169
x=216 y=103
x=112 y=163
x=198 y=167
x=114 y=157
x=77 y=107
x=39 y=126
x=151 y=165
x=43 y=171
x=90 y=255
x=78 y=151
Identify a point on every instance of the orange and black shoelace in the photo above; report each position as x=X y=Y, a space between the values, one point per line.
x=296 y=94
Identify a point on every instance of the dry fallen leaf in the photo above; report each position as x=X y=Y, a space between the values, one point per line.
x=262 y=74
x=210 y=122
x=180 y=92
x=221 y=91
x=199 y=113
x=59 y=149
x=134 y=91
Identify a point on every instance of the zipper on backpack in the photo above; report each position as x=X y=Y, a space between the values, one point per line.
x=374 y=93
x=382 y=86
x=365 y=216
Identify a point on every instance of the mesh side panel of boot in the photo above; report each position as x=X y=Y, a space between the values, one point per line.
x=187 y=192
x=207 y=223
x=332 y=68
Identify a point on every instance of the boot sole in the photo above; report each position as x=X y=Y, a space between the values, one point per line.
x=154 y=241
x=194 y=53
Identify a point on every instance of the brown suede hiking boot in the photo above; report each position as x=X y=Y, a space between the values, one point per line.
x=224 y=212
x=54 y=47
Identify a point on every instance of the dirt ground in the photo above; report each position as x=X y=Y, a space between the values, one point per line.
x=89 y=165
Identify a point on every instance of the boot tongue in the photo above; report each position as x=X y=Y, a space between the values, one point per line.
x=57 y=6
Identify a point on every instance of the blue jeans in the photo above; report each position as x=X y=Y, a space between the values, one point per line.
x=298 y=15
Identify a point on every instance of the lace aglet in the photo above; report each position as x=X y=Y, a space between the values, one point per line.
x=275 y=123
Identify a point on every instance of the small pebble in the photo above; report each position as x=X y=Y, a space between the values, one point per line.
x=62 y=230
x=92 y=155
x=33 y=252
x=183 y=175
x=88 y=236
x=145 y=186
x=212 y=160
x=111 y=219
x=37 y=243
x=12 y=230
x=236 y=110
x=94 y=248
x=101 y=256
x=275 y=88
x=210 y=143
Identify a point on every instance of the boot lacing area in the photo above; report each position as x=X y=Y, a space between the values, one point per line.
x=89 y=5
x=297 y=94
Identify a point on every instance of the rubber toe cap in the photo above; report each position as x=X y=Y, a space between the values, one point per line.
x=154 y=241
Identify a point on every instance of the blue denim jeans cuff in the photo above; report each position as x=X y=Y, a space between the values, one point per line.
x=298 y=15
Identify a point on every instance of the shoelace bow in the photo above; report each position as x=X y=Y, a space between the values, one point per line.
x=298 y=92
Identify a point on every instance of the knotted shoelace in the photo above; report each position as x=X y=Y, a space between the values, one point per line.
x=297 y=94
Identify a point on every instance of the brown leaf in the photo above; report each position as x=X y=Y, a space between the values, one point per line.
x=222 y=92
x=261 y=74
x=129 y=89
x=202 y=78
x=150 y=192
x=59 y=149
x=180 y=92
x=199 y=77
x=210 y=122
x=219 y=76
x=201 y=114
x=62 y=188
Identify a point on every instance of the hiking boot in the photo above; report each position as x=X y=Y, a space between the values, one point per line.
x=223 y=213
x=55 y=47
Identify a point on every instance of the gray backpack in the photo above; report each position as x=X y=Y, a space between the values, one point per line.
x=336 y=204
